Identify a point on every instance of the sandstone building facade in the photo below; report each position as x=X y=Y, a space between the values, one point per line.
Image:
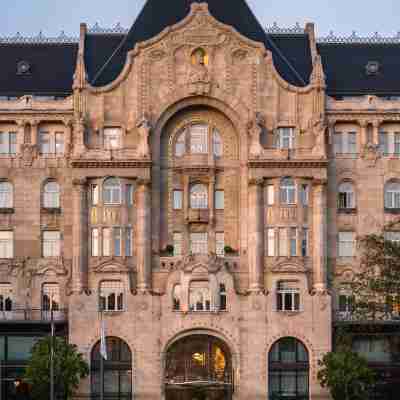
x=202 y=182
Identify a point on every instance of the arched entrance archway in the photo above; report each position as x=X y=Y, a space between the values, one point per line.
x=198 y=367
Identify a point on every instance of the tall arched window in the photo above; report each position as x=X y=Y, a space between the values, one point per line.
x=180 y=144
x=117 y=375
x=6 y=195
x=288 y=191
x=392 y=195
x=346 y=199
x=112 y=191
x=198 y=197
x=51 y=195
x=288 y=370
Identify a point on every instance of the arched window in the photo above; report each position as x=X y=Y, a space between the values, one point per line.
x=180 y=144
x=117 y=371
x=111 y=296
x=288 y=372
x=217 y=144
x=51 y=195
x=112 y=191
x=198 y=197
x=6 y=195
x=51 y=301
x=392 y=195
x=198 y=134
x=346 y=198
x=288 y=191
x=199 y=296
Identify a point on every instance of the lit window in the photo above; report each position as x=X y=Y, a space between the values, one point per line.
x=384 y=143
x=199 y=197
x=346 y=196
x=129 y=195
x=95 y=195
x=217 y=144
x=128 y=242
x=95 y=242
x=178 y=199
x=288 y=191
x=283 y=242
x=59 y=143
x=346 y=244
x=117 y=242
x=51 y=243
x=219 y=199
x=293 y=242
x=271 y=242
x=304 y=194
x=198 y=138
x=112 y=191
x=222 y=297
x=199 y=296
x=220 y=244
x=45 y=143
x=286 y=138
x=304 y=242
x=111 y=296
x=6 y=195
x=176 y=298
x=392 y=195
x=177 y=244
x=106 y=242
x=6 y=298
x=270 y=195
x=6 y=244
x=199 y=243
x=8 y=143
x=51 y=195
x=288 y=296
x=112 y=138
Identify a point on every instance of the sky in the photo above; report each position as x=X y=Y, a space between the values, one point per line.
x=29 y=17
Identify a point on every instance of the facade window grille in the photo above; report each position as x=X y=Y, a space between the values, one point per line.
x=283 y=242
x=199 y=243
x=346 y=199
x=95 y=243
x=200 y=296
x=112 y=138
x=222 y=297
x=111 y=296
x=8 y=143
x=51 y=244
x=6 y=195
x=346 y=244
x=384 y=143
x=199 y=197
x=293 y=242
x=178 y=199
x=177 y=244
x=128 y=242
x=271 y=242
x=217 y=144
x=6 y=297
x=304 y=242
x=286 y=138
x=176 y=298
x=112 y=191
x=270 y=195
x=51 y=195
x=220 y=244
x=219 y=199
x=392 y=195
x=288 y=191
x=6 y=244
x=198 y=139
x=288 y=296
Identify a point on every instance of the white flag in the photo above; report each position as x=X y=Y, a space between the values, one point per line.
x=103 y=344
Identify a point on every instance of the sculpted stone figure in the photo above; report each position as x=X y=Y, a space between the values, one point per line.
x=144 y=130
x=319 y=128
x=199 y=77
x=255 y=129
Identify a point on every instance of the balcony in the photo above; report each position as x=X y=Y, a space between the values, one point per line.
x=355 y=318
x=199 y=216
x=33 y=315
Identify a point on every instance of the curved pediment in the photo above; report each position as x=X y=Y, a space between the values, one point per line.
x=200 y=264
x=111 y=267
x=289 y=267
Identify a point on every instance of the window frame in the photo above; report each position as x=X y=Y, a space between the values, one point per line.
x=107 y=288
x=198 y=199
x=288 y=192
x=111 y=134
x=341 y=243
x=51 y=198
x=288 y=299
x=8 y=194
x=51 y=247
x=115 y=192
x=7 y=244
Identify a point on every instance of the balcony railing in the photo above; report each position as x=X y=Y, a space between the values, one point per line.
x=199 y=215
x=34 y=315
x=351 y=316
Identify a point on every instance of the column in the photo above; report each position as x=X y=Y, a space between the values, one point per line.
x=143 y=235
x=256 y=234
x=67 y=136
x=34 y=132
x=78 y=141
x=20 y=135
x=376 y=125
x=319 y=236
x=80 y=235
x=363 y=134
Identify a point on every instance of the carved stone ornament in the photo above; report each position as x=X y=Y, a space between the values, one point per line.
x=144 y=128
x=110 y=266
x=371 y=154
x=199 y=78
x=289 y=267
x=255 y=129
x=28 y=154
x=319 y=127
x=211 y=262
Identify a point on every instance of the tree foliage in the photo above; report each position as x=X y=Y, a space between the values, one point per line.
x=69 y=368
x=346 y=375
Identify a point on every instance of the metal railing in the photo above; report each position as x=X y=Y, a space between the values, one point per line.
x=33 y=314
x=352 y=316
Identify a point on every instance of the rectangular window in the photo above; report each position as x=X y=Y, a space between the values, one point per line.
x=95 y=195
x=6 y=244
x=59 y=143
x=286 y=138
x=397 y=144
x=304 y=242
x=283 y=242
x=111 y=296
x=129 y=195
x=51 y=243
x=393 y=237
x=199 y=243
x=112 y=138
x=271 y=242
x=128 y=242
x=177 y=244
x=352 y=143
x=13 y=143
x=45 y=146
x=288 y=296
x=6 y=299
x=293 y=242
x=117 y=242
x=384 y=143
x=178 y=199
x=106 y=242
x=199 y=139
x=304 y=195
x=338 y=143
x=219 y=199
x=220 y=244
x=8 y=143
x=270 y=195
x=95 y=242
x=346 y=244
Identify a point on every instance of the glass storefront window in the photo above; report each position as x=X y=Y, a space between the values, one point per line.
x=20 y=347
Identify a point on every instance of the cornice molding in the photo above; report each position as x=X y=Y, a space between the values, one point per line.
x=288 y=164
x=110 y=164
